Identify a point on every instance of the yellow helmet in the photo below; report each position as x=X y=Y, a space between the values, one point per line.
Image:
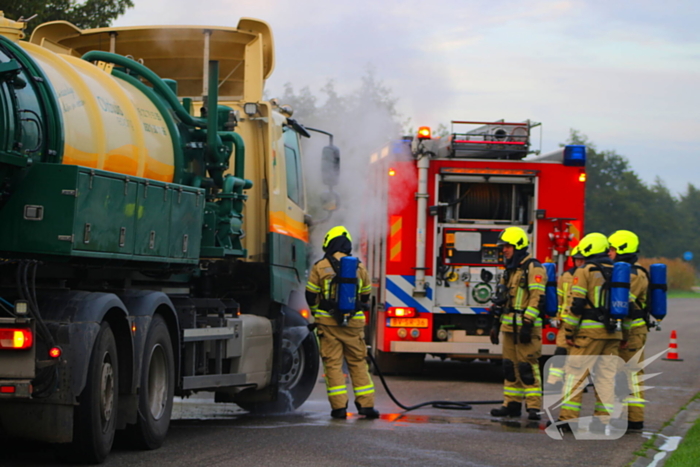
x=593 y=244
x=576 y=252
x=624 y=242
x=337 y=231
x=514 y=236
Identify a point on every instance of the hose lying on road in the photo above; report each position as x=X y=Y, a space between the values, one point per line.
x=447 y=405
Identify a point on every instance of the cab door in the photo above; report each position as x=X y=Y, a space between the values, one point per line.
x=289 y=233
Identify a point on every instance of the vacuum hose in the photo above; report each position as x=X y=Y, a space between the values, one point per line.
x=447 y=405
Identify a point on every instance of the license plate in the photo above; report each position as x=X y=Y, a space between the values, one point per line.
x=408 y=322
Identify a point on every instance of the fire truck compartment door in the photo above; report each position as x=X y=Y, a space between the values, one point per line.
x=519 y=180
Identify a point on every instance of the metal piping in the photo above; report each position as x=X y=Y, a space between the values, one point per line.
x=205 y=72
x=112 y=42
x=422 y=202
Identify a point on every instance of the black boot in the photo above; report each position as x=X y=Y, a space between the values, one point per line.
x=513 y=409
x=368 y=412
x=569 y=427
x=533 y=414
x=635 y=427
x=341 y=413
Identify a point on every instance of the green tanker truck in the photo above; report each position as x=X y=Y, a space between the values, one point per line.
x=153 y=231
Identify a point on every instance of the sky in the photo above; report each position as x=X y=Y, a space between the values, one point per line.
x=624 y=73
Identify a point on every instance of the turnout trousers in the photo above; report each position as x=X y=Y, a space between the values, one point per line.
x=521 y=367
x=556 y=372
x=338 y=342
x=584 y=359
x=635 y=401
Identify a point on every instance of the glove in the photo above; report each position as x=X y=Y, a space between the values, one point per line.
x=494 y=336
x=526 y=332
x=495 y=329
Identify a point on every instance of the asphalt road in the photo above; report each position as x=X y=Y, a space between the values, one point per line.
x=424 y=437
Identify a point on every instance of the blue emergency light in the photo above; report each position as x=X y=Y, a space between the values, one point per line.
x=575 y=155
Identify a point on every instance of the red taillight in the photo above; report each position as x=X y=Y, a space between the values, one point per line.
x=7 y=389
x=16 y=338
x=401 y=312
x=55 y=352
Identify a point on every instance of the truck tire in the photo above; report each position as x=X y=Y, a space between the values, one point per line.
x=95 y=417
x=157 y=388
x=298 y=374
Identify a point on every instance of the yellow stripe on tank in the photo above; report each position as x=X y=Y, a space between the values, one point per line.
x=83 y=91
x=115 y=159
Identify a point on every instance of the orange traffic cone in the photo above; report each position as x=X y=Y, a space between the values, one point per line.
x=672 y=354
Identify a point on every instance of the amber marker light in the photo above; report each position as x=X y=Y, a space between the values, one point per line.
x=392 y=172
x=424 y=132
x=304 y=313
x=582 y=177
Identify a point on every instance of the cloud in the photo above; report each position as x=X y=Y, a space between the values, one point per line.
x=621 y=72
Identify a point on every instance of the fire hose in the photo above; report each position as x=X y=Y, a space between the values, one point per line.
x=447 y=405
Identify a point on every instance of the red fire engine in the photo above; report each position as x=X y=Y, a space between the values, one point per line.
x=430 y=241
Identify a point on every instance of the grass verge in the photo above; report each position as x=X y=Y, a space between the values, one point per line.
x=688 y=453
x=683 y=294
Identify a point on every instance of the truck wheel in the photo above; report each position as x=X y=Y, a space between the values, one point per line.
x=298 y=374
x=157 y=388
x=96 y=414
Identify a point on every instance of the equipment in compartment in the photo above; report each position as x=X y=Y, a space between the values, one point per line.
x=485 y=198
x=471 y=247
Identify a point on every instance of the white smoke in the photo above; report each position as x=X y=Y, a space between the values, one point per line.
x=361 y=122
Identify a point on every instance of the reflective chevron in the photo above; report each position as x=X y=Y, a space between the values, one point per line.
x=399 y=292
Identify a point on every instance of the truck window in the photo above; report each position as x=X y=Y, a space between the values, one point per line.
x=292 y=154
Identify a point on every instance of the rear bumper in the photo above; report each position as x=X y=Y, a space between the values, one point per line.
x=15 y=389
x=479 y=348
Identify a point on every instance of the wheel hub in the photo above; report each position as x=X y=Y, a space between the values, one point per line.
x=106 y=391
x=157 y=382
x=292 y=364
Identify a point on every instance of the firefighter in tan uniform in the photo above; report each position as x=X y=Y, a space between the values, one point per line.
x=590 y=334
x=341 y=337
x=624 y=246
x=520 y=322
x=556 y=371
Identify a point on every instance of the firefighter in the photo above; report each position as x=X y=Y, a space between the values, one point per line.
x=337 y=337
x=521 y=325
x=624 y=246
x=556 y=371
x=590 y=334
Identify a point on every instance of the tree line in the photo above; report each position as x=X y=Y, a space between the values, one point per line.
x=86 y=14
x=616 y=198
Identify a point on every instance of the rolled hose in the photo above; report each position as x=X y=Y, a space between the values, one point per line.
x=446 y=405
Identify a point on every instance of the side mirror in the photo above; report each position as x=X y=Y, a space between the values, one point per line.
x=330 y=165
